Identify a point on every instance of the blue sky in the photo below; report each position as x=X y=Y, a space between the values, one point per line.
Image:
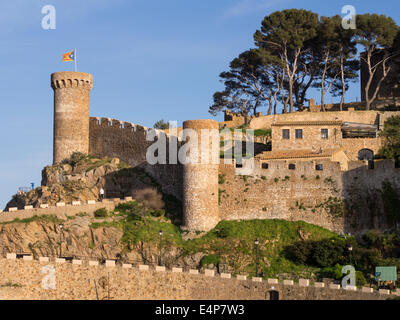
x=150 y=60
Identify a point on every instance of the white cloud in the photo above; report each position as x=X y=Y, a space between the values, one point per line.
x=245 y=7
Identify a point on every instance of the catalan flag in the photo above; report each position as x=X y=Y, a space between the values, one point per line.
x=69 y=56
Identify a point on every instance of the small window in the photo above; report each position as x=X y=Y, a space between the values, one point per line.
x=324 y=133
x=319 y=167
x=299 y=133
x=239 y=165
x=285 y=133
x=292 y=166
x=264 y=165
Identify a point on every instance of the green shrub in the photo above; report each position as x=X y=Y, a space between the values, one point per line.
x=127 y=206
x=300 y=252
x=75 y=158
x=210 y=259
x=360 y=279
x=101 y=213
x=334 y=272
x=327 y=252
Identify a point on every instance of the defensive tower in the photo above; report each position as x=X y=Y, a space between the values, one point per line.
x=200 y=181
x=71 y=113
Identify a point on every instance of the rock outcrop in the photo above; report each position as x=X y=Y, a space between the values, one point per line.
x=81 y=180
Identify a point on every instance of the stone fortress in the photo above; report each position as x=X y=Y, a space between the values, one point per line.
x=315 y=166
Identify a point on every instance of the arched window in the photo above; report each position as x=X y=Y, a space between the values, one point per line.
x=365 y=154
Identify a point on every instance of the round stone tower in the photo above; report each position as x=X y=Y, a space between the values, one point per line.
x=200 y=181
x=71 y=113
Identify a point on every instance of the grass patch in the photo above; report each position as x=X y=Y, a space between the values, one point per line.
x=262 y=132
x=45 y=218
x=10 y=285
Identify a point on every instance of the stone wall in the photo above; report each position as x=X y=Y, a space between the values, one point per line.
x=280 y=193
x=61 y=210
x=31 y=279
x=341 y=201
x=128 y=142
x=359 y=116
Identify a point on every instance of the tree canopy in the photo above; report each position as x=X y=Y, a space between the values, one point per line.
x=296 y=50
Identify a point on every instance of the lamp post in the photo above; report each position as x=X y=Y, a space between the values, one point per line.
x=61 y=228
x=350 y=248
x=159 y=258
x=256 y=242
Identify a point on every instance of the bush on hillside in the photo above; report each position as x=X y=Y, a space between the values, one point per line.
x=101 y=213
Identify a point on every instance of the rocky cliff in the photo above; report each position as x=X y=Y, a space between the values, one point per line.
x=80 y=178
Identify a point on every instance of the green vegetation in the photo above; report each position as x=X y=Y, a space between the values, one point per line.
x=262 y=132
x=10 y=284
x=374 y=249
x=230 y=243
x=220 y=192
x=101 y=213
x=221 y=178
x=210 y=259
x=75 y=158
x=391 y=203
x=44 y=218
x=161 y=124
x=313 y=50
x=391 y=137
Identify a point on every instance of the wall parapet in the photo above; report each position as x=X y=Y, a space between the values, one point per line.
x=305 y=283
x=60 y=209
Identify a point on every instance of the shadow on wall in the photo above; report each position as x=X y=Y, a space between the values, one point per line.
x=136 y=183
x=371 y=191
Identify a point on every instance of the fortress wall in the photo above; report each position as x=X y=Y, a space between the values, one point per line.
x=359 y=116
x=280 y=193
x=83 y=281
x=127 y=141
x=61 y=211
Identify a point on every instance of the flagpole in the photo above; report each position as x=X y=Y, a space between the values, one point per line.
x=76 y=57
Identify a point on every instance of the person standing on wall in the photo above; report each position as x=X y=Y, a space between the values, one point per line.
x=101 y=193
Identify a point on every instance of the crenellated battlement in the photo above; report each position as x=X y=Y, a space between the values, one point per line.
x=67 y=79
x=107 y=123
x=76 y=278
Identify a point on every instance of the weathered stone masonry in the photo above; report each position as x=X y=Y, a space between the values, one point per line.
x=29 y=279
x=71 y=113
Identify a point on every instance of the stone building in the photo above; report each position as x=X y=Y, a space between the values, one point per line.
x=318 y=136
